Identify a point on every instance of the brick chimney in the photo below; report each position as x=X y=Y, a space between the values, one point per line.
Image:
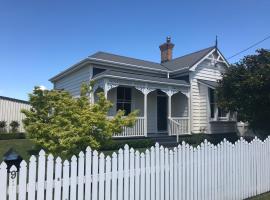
x=166 y=50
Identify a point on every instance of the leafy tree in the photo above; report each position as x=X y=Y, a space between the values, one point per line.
x=65 y=125
x=14 y=126
x=245 y=89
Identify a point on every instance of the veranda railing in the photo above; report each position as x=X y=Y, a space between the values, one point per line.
x=178 y=126
x=135 y=131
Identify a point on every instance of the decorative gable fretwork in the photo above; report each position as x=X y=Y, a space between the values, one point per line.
x=213 y=59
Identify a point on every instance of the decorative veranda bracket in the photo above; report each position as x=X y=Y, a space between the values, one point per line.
x=145 y=90
x=171 y=91
x=107 y=85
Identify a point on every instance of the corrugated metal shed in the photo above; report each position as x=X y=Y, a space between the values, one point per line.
x=10 y=109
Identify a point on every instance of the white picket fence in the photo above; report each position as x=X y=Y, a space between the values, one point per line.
x=206 y=172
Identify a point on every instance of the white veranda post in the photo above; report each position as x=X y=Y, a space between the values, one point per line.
x=145 y=114
x=170 y=93
x=145 y=92
x=177 y=125
x=169 y=105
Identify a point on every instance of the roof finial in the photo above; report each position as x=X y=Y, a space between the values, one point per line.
x=216 y=42
x=168 y=39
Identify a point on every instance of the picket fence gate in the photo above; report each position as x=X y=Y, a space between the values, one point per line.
x=207 y=172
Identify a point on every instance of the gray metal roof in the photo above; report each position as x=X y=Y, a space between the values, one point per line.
x=127 y=60
x=187 y=61
x=183 y=62
x=139 y=77
x=212 y=84
x=15 y=100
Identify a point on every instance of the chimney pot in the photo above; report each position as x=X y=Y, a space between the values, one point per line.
x=166 y=50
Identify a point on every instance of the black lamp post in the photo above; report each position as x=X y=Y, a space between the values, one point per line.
x=11 y=157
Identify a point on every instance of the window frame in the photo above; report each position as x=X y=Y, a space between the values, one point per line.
x=217 y=116
x=126 y=100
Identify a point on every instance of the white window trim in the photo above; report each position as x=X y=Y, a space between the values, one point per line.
x=216 y=117
x=131 y=100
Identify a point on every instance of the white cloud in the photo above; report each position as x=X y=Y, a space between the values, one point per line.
x=41 y=87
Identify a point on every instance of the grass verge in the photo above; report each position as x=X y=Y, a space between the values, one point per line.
x=265 y=196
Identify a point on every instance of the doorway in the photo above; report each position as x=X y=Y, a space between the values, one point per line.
x=162 y=113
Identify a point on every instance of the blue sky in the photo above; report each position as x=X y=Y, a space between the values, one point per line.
x=38 y=39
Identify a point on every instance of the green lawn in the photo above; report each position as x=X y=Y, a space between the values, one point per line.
x=265 y=196
x=26 y=148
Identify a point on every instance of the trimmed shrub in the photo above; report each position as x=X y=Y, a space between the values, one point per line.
x=3 y=125
x=134 y=143
x=11 y=136
x=14 y=126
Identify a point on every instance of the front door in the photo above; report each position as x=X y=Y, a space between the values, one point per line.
x=162 y=113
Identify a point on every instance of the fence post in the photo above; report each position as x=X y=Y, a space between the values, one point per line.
x=108 y=178
x=95 y=176
x=162 y=180
x=152 y=174
x=12 y=183
x=120 y=175
x=137 y=175
x=57 y=178
x=142 y=188
x=41 y=175
x=81 y=176
x=88 y=173
x=22 y=180
x=101 y=176
x=114 y=176
x=66 y=180
x=3 y=183
x=73 y=178
x=167 y=178
x=49 y=180
x=126 y=172
x=157 y=169
x=175 y=171
x=32 y=179
x=131 y=174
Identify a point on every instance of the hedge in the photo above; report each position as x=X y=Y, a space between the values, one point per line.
x=11 y=136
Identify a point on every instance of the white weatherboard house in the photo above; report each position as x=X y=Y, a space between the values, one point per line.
x=175 y=97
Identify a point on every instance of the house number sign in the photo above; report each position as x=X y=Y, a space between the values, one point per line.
x=13 y=174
